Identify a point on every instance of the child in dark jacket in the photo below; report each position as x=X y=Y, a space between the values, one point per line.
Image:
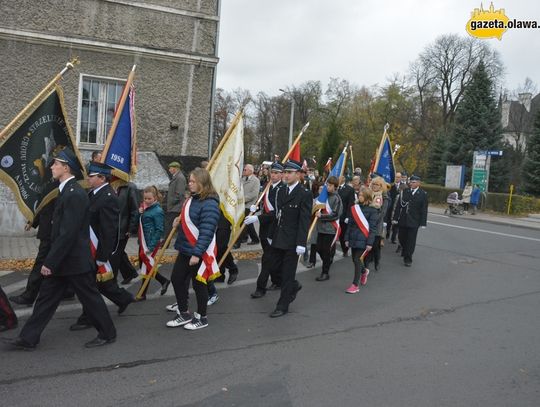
x=355 y=236
x=152 y=221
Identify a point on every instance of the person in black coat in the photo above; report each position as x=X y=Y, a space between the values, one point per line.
x=265 y=219
x=104 y=223
x=288 y=233
x=410 y=213
x=347 y=195
x=69 y=261
x=128 y=203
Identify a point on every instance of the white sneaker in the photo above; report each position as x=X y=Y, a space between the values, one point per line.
x=172 y=307
x=213 y=299
x=197 y=322
x=182 y=318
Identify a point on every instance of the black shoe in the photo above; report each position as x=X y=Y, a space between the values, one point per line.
x=232 y=277
x=274 y=287
x=97 y=341
x=277 y=313
x=220 y=279
x=310 y=265
x=19 y=343
x=346 y=253
x=257 y=294
x=236 y=246
x=123 y=307
x=393 y=241
x=298 y=288
x=21 y=300
x=77 y=326
x=164 y=287
x=407 y=263
x=376 y=266
x=323 y=277
x=127 y=280
x=398 y=250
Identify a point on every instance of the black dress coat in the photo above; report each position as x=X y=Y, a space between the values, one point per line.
x=104 y=220
x=411 y=210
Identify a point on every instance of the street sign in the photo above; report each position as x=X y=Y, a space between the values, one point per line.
x=496 y=153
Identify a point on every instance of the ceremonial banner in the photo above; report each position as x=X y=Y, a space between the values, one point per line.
x=384 y=163
x=27 y=148
x=226 y=172
x=295 y=152
x=120 y=151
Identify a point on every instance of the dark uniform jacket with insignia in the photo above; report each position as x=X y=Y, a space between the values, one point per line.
x=70 y=237
x=128 y=203
x=293 y=215
x=266 y=219
x=104 y=220
x=411 y=210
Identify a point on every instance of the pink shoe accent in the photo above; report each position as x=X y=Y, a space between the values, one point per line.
x=363 y=279
x=353 y=289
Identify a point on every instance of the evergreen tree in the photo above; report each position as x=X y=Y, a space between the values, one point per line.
x=531 y=166
x=330 y=144
x=436 y=170
x=478 y=127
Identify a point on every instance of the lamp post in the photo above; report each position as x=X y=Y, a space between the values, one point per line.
x=291 y=123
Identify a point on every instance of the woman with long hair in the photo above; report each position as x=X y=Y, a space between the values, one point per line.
x=196 y=247
x=380 y=202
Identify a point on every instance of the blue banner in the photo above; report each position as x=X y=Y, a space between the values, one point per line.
x=385 y=161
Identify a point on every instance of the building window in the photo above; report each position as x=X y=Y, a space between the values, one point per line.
x=98 y=99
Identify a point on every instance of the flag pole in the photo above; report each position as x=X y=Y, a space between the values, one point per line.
x=37 y=99
x=152 y=273
x=117 y=113
x=352 y=158
x=381 y=144
x=235 y=237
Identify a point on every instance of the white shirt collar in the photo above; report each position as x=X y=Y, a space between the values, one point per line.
x=291 y=187
x=63 y=183
x=414 y=190
x=95 y=191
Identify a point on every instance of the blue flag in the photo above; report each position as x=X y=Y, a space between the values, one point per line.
x=334 y=172
x=384 y=163
x=120 y=152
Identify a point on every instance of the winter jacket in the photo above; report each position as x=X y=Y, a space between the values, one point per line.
x=205 y=216
x=324 y=224
x=152 y=222
x=475 y=196
x=353 y=234
x=466 y=196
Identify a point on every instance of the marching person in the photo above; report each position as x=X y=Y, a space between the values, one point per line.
x=381 y=203
x=288 y=233
x=252 y=187
x=129 y=216
x=268 y=213
x=175 y=195
x=346 y=193
x=393 y=192
x=69 y=262
x=104 y=230
x=328 y=228
x=411 y=213
x=151 y=220
x=360 y=235
x=196 y=250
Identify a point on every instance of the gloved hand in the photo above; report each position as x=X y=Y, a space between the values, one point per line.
x=423 y=227
x=250 y=219
x=394 y=222
x=300 y=250
x=346 y=221
x=269 y=240
x=253 y=208
x=384 y=224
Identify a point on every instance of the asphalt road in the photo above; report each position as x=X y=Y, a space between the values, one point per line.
x=459 y=328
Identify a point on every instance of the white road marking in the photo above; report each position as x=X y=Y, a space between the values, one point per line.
x=486 y=231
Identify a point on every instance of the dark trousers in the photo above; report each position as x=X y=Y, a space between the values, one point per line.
x=407 y=240
x=325 y=250
x=52 y=291
x=270 y=268
x=111 y=290
x=181 y=274
x=7 y=315
x=160 y=278
x=313 y=254
x=35 y=278
x=169 y=218
x=395 y=229
x=359 y=267
x=375 y=252
x=343 y=227
x=120 y=261
x=288 y=261
x=223 y=236
x=249 y=230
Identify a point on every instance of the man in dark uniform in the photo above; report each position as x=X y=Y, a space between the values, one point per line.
x=265 y=219
x=411 y=213
x=104 y=223
x=129 y=223
x=346 y=193
x=288 y=233
x=69 y=261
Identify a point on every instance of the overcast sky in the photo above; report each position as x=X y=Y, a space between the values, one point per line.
x=265 y=45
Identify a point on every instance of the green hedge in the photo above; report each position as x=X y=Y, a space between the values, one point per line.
x=494 y=201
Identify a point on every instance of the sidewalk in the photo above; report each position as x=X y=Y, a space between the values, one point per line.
x=25 y=248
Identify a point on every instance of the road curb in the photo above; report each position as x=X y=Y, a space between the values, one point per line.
x=494 y=221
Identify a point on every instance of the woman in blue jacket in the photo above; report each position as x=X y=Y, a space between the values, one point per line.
x=197 y=226
x=475 y=198
x=357 y=240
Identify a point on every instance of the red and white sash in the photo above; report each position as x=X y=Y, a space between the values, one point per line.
x=268 y=207
x=360 y=220
x=147 y=261
x=209 y=269
x=335 y=223
x=104 y=272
